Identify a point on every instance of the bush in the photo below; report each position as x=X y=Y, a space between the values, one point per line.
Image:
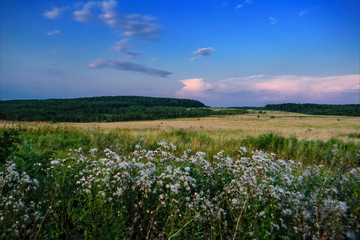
x=8 y=140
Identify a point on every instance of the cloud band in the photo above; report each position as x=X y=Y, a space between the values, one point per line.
x=128 y=66
x=260 y=89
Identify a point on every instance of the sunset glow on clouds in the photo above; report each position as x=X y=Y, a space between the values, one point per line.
x=264 y=88
x=194 y=87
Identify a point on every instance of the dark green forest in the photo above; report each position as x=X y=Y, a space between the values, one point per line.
x=317 y=109
x=106 y=109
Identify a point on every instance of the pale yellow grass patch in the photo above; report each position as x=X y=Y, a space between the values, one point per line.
x=239 y=126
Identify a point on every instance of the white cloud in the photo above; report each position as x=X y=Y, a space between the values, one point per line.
x=243 y=4
x=55 y=51
x=302 y=13
x=55 y=32
x=273 y=20
x=128 y=66
x=204 y=51
x=137 y=25
x=54 y=13
x=85 y=14
x=284 y=88
x=124 y=46
x=193 y=59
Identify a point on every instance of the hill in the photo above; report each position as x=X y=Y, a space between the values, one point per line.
x=105 y=109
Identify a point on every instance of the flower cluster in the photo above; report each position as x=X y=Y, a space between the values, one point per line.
x=161 y=194
x=20 y=215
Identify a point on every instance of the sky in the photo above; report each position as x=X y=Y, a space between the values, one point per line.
x=223 y=52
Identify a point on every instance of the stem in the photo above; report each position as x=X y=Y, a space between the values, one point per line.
x=220 y=230
x=238 y=222
x=47 y=212
x=148 y=233
x=180 y=229
x=37 y=233
x=322 y=187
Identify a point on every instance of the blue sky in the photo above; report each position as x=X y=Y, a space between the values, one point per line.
x=224 y=53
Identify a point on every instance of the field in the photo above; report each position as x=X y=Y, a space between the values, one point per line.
x=285 y=124
x=272 y=175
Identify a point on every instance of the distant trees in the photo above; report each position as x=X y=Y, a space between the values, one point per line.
x=317 y=109
x=105 y=109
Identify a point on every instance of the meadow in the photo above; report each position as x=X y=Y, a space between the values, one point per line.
x=270 y=175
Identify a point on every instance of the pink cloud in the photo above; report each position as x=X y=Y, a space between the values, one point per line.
x=194 y=87
x=277 y=86
x=263 y=88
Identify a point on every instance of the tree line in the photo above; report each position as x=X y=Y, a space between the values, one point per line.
x=106 y=109
x=317 y=109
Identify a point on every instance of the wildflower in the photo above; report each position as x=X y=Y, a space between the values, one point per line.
x=343 y=206
x=102 y=193
x=93 y=151
x=36 y=182
x=353 y=171
x=287 y=212
x=54 y=162
x=235 y=201
x=174 y=189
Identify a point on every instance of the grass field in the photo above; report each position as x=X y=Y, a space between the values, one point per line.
x=256 y=176
x=285 y=124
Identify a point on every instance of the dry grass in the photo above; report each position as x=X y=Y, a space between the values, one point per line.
x=236 y=127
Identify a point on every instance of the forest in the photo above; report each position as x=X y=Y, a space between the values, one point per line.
x=317 y=109
x=106 y=109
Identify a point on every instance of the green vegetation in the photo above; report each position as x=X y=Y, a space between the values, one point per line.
x=58 y=140
x=68 y=183
x=354 y=135
x=105 y=109
x=317 y=109
x=8 y=139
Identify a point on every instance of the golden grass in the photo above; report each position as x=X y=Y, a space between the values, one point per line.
x=303 y=126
